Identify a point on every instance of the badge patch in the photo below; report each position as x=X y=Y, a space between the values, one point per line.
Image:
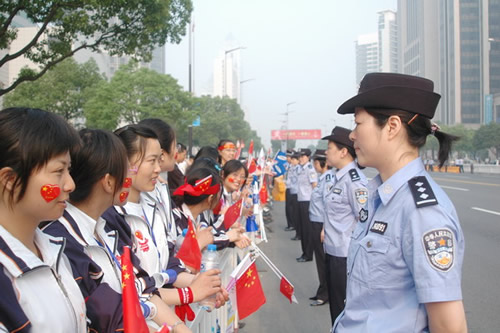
x=379 y=227
x=337 y=190
x=363 y=215
x=361 y=195
x=422 y=192
x=439 y=246
x=354 y=175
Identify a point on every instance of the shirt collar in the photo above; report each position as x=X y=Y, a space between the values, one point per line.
x=21 y=260
x=85 y=223
x=387 y=189
x=340 y=173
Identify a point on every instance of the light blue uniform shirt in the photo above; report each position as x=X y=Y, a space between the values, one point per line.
x=306 y=175
x=292 y=180
x=316 y=206
x=345 y=200
x=408 y=253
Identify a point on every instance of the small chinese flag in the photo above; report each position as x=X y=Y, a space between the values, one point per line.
x=287 y=289
x=217 y=208
x=133 y=319
x=164 y=329
x=249 y=293
x=263 y=193
x=250 y=148
x=190 y=252
x=252 y=167
x=232 y=214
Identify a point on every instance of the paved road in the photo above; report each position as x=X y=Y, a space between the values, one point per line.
x=477 y=200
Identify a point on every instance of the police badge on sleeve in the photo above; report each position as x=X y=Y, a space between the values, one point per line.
x=439 y=248
x=361 y=195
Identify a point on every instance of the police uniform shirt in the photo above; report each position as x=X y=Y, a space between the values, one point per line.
x=317 y=207
x=306 y=175
x=408 y=253
x=345 y=201
x=292 y=179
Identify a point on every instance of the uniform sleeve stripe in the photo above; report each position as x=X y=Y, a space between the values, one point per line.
x=20 y=328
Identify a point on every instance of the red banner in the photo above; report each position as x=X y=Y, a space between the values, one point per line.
x=313 y=134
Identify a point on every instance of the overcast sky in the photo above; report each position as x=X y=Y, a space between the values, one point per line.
x=297 y=51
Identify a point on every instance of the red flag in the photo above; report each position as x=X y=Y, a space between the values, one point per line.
x=133 y=319
x=263 y=192
x=190 y=252
x=249 y=293
x=286 y=289
x=252 y=167
x=217 y=208
x=232 y=214
x=164 y=329
x=250 y=149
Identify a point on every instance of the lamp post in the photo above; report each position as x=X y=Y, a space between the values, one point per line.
x=287 y=125
x=225 y=65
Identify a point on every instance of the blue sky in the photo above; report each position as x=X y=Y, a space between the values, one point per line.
x=296 y=51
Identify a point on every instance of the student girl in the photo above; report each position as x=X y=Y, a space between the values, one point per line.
x=227 y=151
x=39 y=293
x=99 y=169
x=144 y=150
x=405 y=259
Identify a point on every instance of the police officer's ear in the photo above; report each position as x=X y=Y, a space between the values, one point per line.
x=393 y=127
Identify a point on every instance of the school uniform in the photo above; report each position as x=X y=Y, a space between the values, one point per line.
x=38 y=295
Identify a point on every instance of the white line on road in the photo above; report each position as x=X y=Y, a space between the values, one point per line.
x=455 y=188
x=486 y=211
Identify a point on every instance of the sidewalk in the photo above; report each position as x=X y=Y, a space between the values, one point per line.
x=278 y=315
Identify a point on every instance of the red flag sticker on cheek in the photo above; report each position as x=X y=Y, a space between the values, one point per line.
x=50 y=192
x=127 y=183
x=123 y=196
x=230 y=179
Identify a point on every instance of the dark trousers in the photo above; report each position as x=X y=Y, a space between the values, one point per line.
x=336 y=276
x=288 y=209
x=319 y=256
x=294 y=214
x=305 y=230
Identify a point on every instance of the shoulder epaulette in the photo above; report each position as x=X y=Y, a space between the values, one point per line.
x=354 y=175
x=422 y=192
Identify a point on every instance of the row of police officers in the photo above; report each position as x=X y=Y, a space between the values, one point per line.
x=388 y=251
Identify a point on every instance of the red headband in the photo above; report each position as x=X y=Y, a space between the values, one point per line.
x=201 y=187
x=227 y=145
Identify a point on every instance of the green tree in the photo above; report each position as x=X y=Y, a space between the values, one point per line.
x=487 y=137
x=132 y=27
x=63 y=90
x=137 y=93
x=221 y=118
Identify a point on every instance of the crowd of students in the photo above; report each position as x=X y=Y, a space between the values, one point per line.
x=71 y=201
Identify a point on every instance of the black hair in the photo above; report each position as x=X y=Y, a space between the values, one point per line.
x=207 y=151
x=102 y=152
x=206 y=162
x=181 y=147
x=165 y=132
x=29 y=138
x=418 y=130
x=350 y=150
x=191 y=178
x=234 y=166
x=321 y=161
x=134 y=138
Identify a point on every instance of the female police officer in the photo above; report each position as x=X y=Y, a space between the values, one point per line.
x=404 y=263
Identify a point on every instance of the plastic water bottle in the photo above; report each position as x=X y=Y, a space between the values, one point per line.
x=179 y=240
x=209 y=260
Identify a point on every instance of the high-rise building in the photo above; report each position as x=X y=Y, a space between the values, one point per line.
x=367 y=52
x=227 y=73
x=455 y=43
x=387 y=41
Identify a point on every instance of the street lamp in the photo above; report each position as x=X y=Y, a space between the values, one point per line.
x=287 y=128
x=225 y=65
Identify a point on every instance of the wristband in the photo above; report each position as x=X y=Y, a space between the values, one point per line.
x=185 y=295
x=148 y=309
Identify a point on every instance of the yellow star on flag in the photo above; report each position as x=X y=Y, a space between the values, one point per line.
x=126 y=276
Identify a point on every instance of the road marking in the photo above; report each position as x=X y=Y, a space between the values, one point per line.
x=486 y=211
x=455 y=188
x=464 y=181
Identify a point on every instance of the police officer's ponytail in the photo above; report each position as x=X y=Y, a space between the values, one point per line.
x=418 y=127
